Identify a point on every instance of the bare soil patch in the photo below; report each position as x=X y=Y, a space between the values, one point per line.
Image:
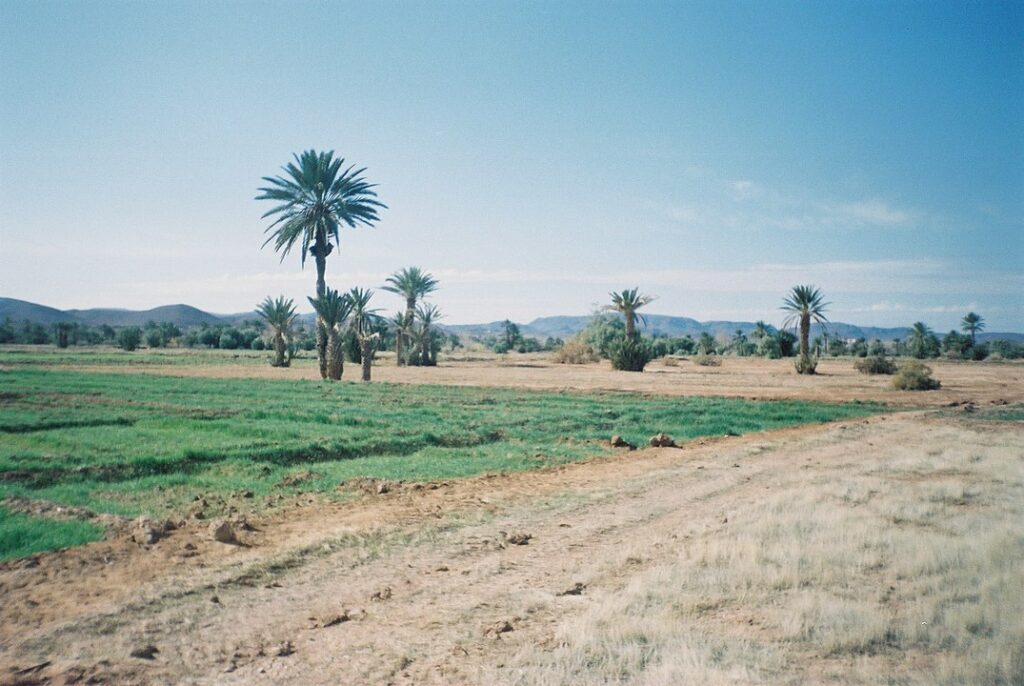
x=755 y=378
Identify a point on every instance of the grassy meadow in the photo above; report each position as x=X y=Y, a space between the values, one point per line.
x=131 y=444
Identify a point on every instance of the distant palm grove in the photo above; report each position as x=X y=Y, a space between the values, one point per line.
x=318 y=194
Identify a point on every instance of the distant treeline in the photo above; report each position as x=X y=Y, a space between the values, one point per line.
x=249 y=334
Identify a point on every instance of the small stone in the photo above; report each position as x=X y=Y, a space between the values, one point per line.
x=223 y=532
x=146 y=652
x=517 y=538
x=497 y=629
x=285 y=649
x=382 y=594
x=576 y=589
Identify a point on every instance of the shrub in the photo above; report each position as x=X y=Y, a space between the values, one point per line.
x=707 y=360
x=630 y=356
x=879 y=364
x=129 y=338
x=915 y=376
x=805 y=364
x=575 y=351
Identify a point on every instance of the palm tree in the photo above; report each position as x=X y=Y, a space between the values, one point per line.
x=413 y=284
x=972 y=324
x=803 y=304
x=921 y=337
x=364 y=320
x=760 y=330
x=332 y=309
x=279 y=315
x=426 y=315
x=628 y=302
x=316 y=197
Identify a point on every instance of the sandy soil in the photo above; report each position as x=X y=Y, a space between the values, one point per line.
x=759 y=378
x=430 y=584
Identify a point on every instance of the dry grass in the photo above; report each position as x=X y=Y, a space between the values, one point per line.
x=908 y=571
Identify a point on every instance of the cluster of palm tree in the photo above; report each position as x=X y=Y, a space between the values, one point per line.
x=316 y=196
x=415 y=339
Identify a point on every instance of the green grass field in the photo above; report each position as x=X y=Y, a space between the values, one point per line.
x=132 y=444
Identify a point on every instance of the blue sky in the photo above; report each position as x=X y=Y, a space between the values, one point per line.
x=534 y=155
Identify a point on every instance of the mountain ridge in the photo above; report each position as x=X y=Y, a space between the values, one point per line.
x=561 y=326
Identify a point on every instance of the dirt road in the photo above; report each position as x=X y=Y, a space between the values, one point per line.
x=488 y=580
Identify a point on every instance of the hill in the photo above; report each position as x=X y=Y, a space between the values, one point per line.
x=183 y=316
x=21 y=310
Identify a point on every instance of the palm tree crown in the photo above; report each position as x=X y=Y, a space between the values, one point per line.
x=332 y=308
x=362 y=316
x=972 y=323
x=628 y=302
x=278 y=313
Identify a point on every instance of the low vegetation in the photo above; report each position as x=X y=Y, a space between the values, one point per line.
x=144 y=444
x=879 y=364
x=915 y=376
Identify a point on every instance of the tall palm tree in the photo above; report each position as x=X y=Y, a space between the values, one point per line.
x=426 y=315
x=332 y=309
x=920 y=341
x=317 y=196
x=760 y=330
x=413 y=284
x=972 y=324
x=803 y=304
x=628 y=302
x=364 y=321
x=280 y=316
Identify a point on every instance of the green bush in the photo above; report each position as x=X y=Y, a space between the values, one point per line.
x=129 y=338
x=880 y=364
x=915 y=376
x=630 y=356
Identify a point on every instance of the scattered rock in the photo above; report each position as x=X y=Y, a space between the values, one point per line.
x=576 y=589
x=147 y=652
x=495 y=630
x=620 y=442
x=247 y=494
x=223 y=532
x=442 y=568
x=297 y=478
x=329 y=620
x=383 y=487
x=285 y=649
x=382 y=594
x=215 y=599
x=517 y=537
x=662 y=440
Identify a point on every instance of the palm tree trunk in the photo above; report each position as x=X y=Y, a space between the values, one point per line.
x=410 y=312
x=279 y=360
x=630 y=326
x=335 y=356
x=321 y=287
x=398 y=347
x=367 y=355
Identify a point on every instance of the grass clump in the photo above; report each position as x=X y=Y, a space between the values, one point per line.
x=880 y=364
x=575 y=351
x=705 y=360
x=22 y=535
x=914 y=375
